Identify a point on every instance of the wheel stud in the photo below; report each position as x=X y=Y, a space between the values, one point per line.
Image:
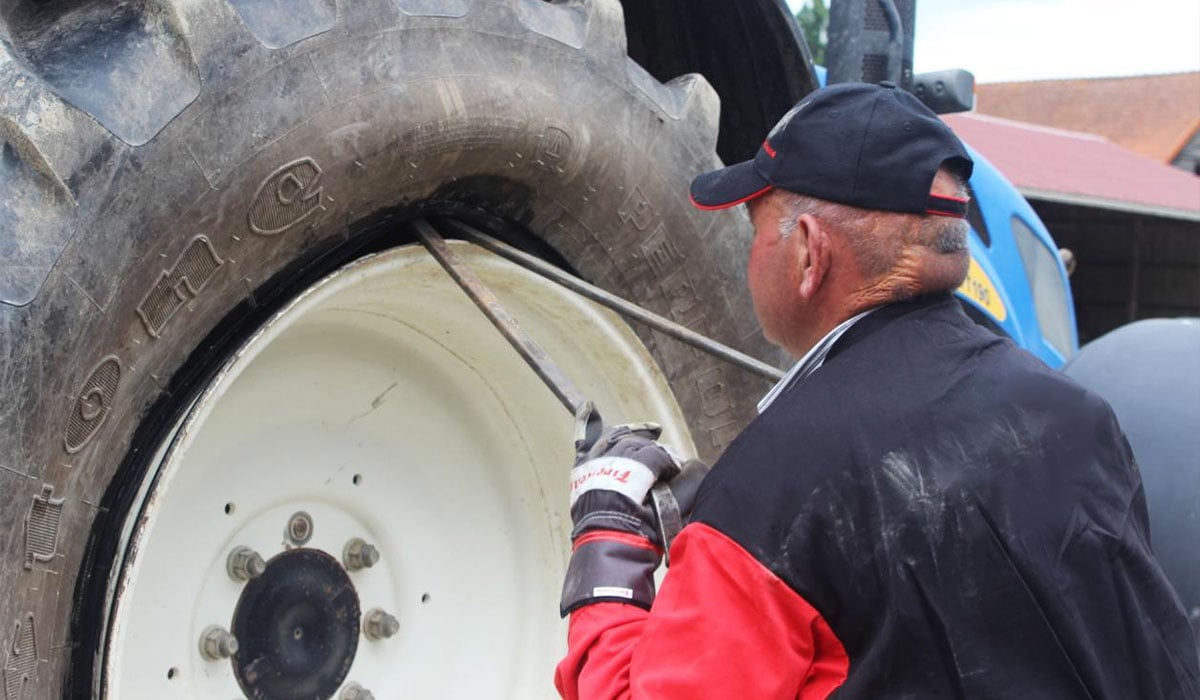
x=359 y=555
x=354 y=691
x=378 y=624
x=300 y=528
x=216 y=643
x=244 y=564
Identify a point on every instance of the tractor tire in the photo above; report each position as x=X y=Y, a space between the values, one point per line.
x=174 y=173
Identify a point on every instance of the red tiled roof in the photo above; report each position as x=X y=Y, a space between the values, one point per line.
x=1046 y=163
x=1153 y=115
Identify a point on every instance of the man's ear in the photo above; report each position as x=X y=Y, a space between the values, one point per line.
x=815 y=264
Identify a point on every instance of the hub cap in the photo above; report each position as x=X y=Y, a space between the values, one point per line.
x=297 y=628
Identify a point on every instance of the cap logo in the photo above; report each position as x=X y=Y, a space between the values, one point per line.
x=787 y=119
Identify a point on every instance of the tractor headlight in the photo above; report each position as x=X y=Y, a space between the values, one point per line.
x=1051 y=298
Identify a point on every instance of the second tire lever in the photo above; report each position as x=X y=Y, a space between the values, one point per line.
x=669 y=518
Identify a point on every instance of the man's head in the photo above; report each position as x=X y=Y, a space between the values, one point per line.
x=858 y=198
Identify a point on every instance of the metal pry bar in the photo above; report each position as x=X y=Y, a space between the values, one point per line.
x=537 y=359
x=665 y=505
x=616 y=303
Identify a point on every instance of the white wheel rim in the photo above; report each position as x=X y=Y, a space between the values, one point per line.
x=386 y=371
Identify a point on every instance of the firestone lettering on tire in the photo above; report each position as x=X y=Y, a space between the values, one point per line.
x=21 y=660
x=93 y=404
x=41 y=527
x=180 y=284
x=637 y=211
x=288 y=196
x=555 y=149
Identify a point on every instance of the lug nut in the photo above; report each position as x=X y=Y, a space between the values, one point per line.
x=378 y=624
x=359 y=555
x=216 y=643
x=354 y=691
x=300 y=528
x=244 y=564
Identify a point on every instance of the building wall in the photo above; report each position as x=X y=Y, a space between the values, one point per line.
x=1129 y=266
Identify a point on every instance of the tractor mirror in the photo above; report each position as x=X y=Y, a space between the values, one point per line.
x=946 y=91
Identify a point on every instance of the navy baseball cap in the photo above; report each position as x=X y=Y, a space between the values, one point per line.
x=869 y=146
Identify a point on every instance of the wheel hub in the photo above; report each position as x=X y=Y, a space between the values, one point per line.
x=297 y=628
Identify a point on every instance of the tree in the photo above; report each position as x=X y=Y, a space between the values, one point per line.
x=814 y=22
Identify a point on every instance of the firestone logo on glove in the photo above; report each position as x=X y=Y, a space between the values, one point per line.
x=628 y=477
x=621 y=476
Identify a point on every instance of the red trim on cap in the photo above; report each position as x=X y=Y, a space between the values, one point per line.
x=767 y=147
x=957 y=210
x=743 y=200
x=627 y=538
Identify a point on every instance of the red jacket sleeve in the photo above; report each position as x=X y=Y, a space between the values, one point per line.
x=723 y=626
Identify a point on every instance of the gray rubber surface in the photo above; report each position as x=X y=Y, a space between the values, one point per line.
x=1149 y=371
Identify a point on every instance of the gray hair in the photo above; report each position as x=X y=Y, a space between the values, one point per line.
x=878 y=238
x=854 y=223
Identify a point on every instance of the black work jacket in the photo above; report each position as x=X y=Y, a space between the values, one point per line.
x=970 y=523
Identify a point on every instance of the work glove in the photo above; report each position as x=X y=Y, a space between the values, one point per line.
x=618 y=486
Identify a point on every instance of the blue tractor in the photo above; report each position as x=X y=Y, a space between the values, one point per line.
x=1017 y=284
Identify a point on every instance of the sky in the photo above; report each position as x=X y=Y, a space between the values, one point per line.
x=1003 y=40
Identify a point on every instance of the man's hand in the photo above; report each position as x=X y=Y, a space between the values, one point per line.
x=617 y=539
x=615 y=467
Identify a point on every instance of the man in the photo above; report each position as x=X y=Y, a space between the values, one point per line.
x=920 y=510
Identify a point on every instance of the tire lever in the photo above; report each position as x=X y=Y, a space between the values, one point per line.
x=542 y=364
x=569 y=395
